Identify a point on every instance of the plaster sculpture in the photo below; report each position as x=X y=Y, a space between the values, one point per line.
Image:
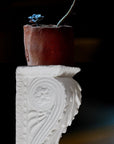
x=47 y=100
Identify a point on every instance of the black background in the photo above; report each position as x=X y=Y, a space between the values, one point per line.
x=90 y=19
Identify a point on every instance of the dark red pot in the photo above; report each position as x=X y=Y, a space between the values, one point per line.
x=48 y=45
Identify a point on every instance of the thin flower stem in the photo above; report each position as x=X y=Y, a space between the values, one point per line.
x=61 y=20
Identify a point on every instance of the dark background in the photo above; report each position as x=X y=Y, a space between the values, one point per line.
x=91 y=19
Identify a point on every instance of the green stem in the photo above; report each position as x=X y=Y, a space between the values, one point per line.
x=61 y=20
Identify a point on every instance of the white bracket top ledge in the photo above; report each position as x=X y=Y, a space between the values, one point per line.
x=48 y=71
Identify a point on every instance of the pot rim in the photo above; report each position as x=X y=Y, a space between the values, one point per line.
x=51 y=26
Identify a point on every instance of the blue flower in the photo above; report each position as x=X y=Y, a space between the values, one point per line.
x=35 y=18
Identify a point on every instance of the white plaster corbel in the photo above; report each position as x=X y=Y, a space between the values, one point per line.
x=47 y=100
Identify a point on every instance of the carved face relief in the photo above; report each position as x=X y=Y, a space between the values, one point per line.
x=41 y=95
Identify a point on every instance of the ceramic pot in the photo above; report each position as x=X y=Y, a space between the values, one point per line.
x=48 y=45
